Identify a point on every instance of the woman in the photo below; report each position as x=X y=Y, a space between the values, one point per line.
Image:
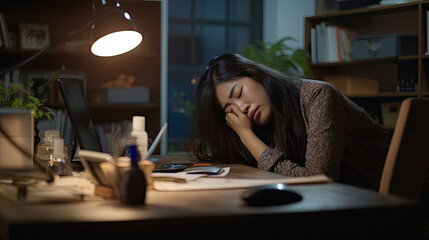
x=248 y=113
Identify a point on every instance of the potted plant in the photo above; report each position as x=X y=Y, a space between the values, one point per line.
x=280 y=56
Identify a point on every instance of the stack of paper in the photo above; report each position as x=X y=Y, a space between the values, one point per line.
x=204 y=183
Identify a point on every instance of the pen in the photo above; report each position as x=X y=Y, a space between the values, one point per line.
x=201 y=164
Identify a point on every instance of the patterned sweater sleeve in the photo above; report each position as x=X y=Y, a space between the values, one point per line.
x=323 y=111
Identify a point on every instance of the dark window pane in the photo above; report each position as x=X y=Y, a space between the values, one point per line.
x=239 y=37
x=239 y=10
x=210 y=9
x=180 y=88
x=211 y=42
x=179 y=44
x=179 y=9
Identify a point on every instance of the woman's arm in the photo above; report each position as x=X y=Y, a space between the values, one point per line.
x=324 y=114
x=242 y=125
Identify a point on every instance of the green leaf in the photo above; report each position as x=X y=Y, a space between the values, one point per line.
x=279 y=55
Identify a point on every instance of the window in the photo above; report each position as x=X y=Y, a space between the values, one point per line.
x=199 y=30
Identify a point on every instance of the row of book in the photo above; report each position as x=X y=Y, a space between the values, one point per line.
x=4 y=34
x=331 y=43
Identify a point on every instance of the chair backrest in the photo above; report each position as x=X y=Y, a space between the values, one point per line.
x=407 y=160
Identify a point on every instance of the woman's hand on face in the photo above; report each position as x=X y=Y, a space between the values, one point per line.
x=238 y=121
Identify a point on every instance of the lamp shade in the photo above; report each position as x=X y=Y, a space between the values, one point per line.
x=113 y=32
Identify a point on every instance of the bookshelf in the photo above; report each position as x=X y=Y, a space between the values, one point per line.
x=406 y=19
x=64 y=19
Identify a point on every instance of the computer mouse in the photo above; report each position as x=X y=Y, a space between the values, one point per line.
x=270 y=195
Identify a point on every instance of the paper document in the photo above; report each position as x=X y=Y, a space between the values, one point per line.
x=231 y=183
x=64 y=189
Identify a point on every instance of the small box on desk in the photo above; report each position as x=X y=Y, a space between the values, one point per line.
x=384 y=46
x=120 y=95
x=353 y=85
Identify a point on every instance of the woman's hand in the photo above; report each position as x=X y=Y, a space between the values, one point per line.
x=238 y=121
x=242 y=125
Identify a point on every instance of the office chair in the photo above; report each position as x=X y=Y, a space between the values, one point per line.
x=407 y=160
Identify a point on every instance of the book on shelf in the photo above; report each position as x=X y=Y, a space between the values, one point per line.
x=4 y=32
x=332 y=43
x=314 y=57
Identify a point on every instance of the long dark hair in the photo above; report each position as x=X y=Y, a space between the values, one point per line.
x=213 y=140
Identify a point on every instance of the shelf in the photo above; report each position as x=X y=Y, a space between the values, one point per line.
x=383 y=95
x=368 y=11
x=366 y=61
x=110 y=105
x=123 y=105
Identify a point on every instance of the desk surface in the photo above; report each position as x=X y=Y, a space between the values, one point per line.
x=325 y=209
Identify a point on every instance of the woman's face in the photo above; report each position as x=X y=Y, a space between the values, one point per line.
x=248 y=95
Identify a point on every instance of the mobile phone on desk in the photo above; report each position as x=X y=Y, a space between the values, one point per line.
x=172 y=167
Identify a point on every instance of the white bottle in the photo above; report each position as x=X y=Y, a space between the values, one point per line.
x=60 y=164
x=138 y=131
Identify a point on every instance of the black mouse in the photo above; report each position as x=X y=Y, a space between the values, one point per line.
x=270 y=195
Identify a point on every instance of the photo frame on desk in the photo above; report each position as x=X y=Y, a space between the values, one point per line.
x=33 y=36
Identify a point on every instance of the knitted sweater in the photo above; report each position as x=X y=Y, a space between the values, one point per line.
x=343 y=141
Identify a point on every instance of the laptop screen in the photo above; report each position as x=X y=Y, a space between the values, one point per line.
x=78 y=112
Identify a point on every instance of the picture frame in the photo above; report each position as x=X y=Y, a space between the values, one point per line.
x=33 y=36
x=44 y=84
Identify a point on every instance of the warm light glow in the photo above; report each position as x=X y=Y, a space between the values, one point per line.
x=116 y=43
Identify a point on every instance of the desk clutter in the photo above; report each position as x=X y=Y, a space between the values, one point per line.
x=126 y=178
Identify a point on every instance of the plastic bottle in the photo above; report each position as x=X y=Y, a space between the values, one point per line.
x=133 y=189
x=45 y=149
x=138 y=131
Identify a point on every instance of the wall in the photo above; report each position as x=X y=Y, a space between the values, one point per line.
x=286 y=18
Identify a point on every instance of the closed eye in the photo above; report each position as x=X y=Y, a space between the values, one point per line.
x=241 y=91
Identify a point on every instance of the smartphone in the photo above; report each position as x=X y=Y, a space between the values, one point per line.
x=172 y=167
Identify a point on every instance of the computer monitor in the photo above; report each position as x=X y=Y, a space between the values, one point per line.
x=16 y=138
x=78 y=112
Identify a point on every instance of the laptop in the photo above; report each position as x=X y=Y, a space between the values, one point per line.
x=80 y=117
x=78 y=112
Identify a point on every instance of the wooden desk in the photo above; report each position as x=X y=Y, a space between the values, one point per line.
x=326 y=211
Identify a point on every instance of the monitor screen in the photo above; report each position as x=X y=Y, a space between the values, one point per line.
x=78 y=112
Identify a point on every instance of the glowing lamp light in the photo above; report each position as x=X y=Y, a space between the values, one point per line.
x=116 y=43
x=113 y=32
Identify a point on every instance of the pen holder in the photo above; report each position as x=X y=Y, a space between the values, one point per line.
x=115 y=171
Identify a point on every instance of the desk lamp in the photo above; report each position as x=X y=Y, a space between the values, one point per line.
x=113 y=30
x=113 y=33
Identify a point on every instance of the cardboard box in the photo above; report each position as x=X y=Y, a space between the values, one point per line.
x=352 y=85
x=120 y=95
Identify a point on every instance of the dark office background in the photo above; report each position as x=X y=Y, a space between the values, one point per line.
x=199 y=30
